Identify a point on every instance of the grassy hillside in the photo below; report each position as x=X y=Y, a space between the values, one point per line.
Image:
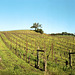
x=18 y=51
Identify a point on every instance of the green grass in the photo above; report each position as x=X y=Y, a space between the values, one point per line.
x=12 y=65
x=26 y=42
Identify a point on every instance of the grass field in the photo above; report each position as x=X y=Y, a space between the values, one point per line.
x=18 y=53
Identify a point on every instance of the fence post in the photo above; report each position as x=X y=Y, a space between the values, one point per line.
x=52 y=51
x=45 y=62
x=70 y=59
x=37 y=59
x=26 y=52
x=26 y=47
x=16 y=43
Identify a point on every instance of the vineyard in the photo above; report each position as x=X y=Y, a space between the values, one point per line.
x=40 y=52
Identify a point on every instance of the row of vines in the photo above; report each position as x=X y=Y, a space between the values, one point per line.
x=25 y=46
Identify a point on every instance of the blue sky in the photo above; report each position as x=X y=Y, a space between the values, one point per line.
x=55 y=15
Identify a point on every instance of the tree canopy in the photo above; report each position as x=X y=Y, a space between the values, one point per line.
x=37 y=26
x=63 y=33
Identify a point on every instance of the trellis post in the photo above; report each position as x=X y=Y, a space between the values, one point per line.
x=45 y=60
x=70 y=58
x=52 y=51
x=37 y=59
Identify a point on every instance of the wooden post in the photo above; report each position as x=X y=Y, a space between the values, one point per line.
x=45 y=59
x=73 y=43
x=52 y=51
x=16 y=43
x=17 y=52
x=45 y=63
x=26 y=52
x=11 y=45
x=26 y=47
x=37 y=59
x=70 y=59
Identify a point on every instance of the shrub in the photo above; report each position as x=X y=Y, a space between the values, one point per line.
x=39 y=31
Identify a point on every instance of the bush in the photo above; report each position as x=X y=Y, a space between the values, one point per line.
x=39 y=31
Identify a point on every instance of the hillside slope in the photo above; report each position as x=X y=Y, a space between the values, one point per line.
x=10 y=64
x=19 y=53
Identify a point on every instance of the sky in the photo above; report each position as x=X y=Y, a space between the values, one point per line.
x=56 y=16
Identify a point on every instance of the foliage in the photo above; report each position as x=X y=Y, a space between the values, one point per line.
x=39 y=31
x=36 y=26
x=63 y=33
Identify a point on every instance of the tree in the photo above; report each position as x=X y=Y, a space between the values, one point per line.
x=36 y=26
x=64 y=33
